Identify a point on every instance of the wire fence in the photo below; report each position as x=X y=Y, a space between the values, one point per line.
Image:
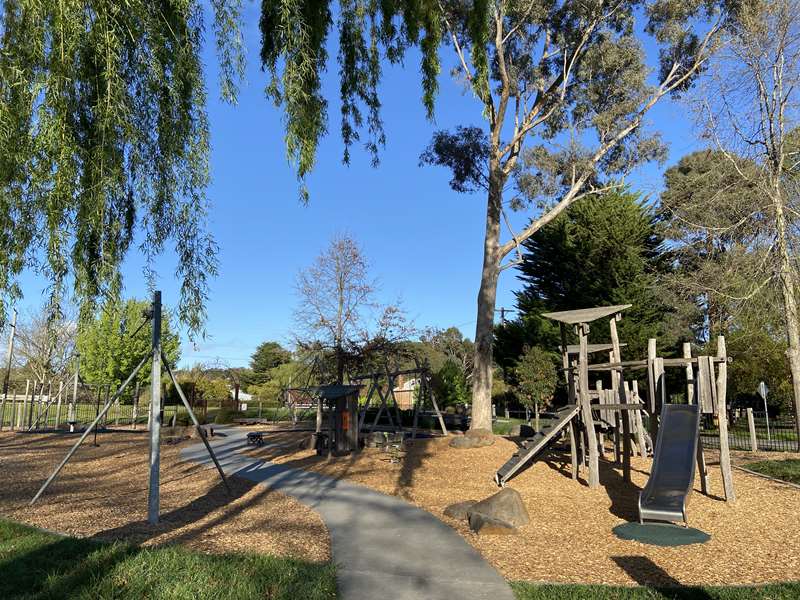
x=775 y=433
x=59 y=406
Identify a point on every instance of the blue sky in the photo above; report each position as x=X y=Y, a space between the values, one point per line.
x=423 y=241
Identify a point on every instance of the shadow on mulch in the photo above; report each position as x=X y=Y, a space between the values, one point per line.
x=648 y=574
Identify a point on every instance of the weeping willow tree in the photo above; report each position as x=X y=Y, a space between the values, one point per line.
x=562 y=86
x=104 y=142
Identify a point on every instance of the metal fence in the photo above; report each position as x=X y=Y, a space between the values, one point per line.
x=776 y=433
x=57 y=407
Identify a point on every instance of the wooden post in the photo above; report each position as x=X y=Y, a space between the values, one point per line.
x=153 y=494
x=573 y=449
x=751 y=424
x=722 y=411
x=619 y=388
x=687 y=353
x=638 y=418
x=58 y=405
x=601 y=442
x=617 y=438
x=651 y=388
x=586 y=409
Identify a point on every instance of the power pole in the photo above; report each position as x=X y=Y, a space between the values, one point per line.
x=153 y=507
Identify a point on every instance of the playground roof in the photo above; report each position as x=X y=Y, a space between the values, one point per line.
x=585 y=315
x=576 y=348
x=331 y=392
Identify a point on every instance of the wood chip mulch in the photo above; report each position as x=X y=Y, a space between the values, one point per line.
x=570 y=539
x=102 y=493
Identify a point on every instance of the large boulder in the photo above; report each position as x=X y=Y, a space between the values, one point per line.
x=505 y=506
x=483 y=525
x=474 y=438
x=459 y=510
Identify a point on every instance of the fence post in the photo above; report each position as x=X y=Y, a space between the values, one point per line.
x=135 y=404
x=58 y=405
x=751 y=424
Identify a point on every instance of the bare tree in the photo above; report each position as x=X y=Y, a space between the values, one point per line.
x=44 y=346
x=338 y=311
x=750 y=107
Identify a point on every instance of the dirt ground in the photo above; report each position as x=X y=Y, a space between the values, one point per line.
x=569 y=538
x=102 y=493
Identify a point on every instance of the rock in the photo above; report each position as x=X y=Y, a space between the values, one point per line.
x=470 y=442
x=479 y=433
x=483 y=525
x=459 y=509
x=505 y=506
x=474 y=438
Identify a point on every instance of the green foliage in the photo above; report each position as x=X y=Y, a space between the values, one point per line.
x=267 y=356
x=603 y=250
x=45 y=565
x=450 y=385
x=225 y=416
x=109 y=351
x=105 y=136
x=536 y=376
x=214 y=390
x=279 y=378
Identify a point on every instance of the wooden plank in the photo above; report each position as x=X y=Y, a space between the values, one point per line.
x=722 y=412
x=651 y=387
x=702 y=469
x=617 y=385
x=573 y=449
x=706 y=386
x=585 y=315
x=687 y=353
x=751 y=425
x=636 y=417
x=586 y=410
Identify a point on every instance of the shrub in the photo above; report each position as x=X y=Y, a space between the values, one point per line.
x=226 y=415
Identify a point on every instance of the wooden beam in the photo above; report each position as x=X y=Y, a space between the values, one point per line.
x=586 y=409
x=619 y=388
x=687 y=353
x=722 y=412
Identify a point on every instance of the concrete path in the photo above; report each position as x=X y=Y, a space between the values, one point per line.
x=383 y=547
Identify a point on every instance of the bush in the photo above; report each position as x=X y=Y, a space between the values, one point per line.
x=227 y=415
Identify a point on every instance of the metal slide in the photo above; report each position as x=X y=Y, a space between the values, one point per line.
x=537 y=444
x=666 y=494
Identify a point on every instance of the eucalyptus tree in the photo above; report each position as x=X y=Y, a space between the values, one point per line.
x=563 y=86
x=751 y=110
x=104 y=140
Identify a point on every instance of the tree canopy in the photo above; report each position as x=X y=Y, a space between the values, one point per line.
x=103 y=137
x=110 y=346
x=605 y=250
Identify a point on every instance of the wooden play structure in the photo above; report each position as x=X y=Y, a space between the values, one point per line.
x=612 y=405
x=381 y=386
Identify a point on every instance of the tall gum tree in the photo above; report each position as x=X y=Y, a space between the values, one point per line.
x=563 y=87
x=751 y=110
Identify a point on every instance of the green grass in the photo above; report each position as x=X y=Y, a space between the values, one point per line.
x=36 y=565
x=529 y=591
x=787 y=469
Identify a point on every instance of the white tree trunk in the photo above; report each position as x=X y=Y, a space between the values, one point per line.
x=787 y=279
x=484 y=329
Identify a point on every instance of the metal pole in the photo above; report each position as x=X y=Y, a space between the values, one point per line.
x=86 y=433
x=71 y=411
x=192 y=416
x=97 y=412
x=9 y=354
x=155 y=414
x=766 y=416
